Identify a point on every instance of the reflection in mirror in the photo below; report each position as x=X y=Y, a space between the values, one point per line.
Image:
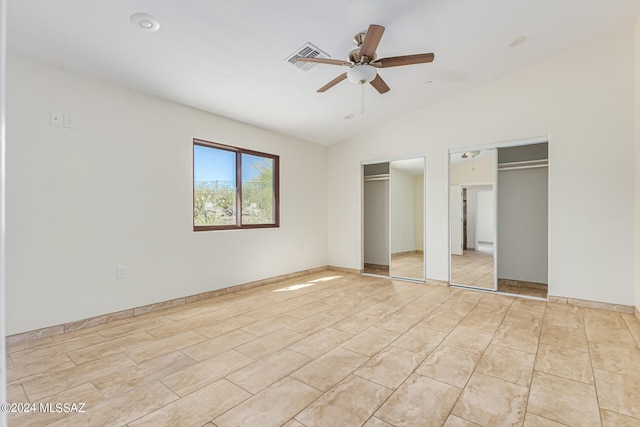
x=407 y=218
x=376 y=219
x=472 y=210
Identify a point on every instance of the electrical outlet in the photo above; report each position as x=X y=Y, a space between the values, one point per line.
x=55 y=119
x=121 y=272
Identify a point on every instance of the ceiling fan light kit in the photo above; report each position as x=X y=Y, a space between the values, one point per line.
x=361 y=74
x=363 y=61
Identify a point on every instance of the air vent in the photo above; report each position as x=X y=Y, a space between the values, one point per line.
x=306 y=51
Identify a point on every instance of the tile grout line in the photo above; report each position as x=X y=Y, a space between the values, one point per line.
x=462 y=389
x=593 y=373
x=396 y=300
x=635 y=337
x=426 y=357
x=535 y=362
x=371 y=357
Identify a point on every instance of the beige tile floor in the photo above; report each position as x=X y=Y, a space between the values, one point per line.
x=405 y=265
x=380 y=270
x=473 y=268
x=408 y=265
x=335 y=349
x=522 y=290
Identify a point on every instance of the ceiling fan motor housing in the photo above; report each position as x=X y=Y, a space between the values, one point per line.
x=354 y=57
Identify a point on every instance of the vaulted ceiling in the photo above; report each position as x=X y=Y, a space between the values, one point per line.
x=228 y=57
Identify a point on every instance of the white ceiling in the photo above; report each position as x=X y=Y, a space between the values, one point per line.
x=227 y=56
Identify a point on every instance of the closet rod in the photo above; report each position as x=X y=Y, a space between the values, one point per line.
x=381 y=177
x=512 y=168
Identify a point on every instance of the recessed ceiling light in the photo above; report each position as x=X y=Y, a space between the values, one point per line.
x=145 y=22
x=518 y=41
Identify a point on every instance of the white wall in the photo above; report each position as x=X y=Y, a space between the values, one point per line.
x=117 y=189
x=485 y=213
x=637 y=112
x=403 y=234
x=3 y=370
x=578 y=103
x=473 y=171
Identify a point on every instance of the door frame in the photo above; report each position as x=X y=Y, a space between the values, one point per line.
x=458 y=217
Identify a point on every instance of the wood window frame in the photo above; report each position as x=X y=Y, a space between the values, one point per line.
x=238 y=155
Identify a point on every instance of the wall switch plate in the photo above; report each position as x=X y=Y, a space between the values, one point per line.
x=55 y=119
x=68 y=122
x=121 y=272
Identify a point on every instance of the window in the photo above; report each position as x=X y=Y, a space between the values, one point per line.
x=233 y=187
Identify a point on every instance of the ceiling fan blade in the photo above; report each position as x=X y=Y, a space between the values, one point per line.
x=324 y=61
x=396 y=61
x=371 y=41
x=333 y=82
x=380 y=85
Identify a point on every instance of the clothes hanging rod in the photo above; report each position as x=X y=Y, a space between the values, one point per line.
x=513 y=168
x=380 y=177
x=525 y=162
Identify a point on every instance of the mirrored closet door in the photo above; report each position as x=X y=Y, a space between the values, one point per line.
x=498 y=209
x=393 y=217
x=472 y=218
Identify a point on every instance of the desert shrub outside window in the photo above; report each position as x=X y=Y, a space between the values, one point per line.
x=234 y=188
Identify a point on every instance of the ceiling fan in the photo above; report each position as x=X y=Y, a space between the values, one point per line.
x=471 y=154
x=363 y=61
